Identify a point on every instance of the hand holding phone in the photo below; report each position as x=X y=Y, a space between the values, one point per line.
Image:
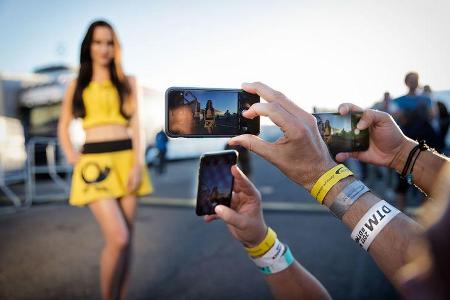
x=200 y=112
x=340 y=132
x=245 y=218
x=215 y=181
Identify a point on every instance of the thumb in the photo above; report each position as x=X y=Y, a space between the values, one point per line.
x=254 y=144
x=229 y=216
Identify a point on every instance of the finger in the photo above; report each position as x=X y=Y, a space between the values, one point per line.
x=254 y=144
x=370 y=117
x=343 y=156
x=346 y=108
x=229 y=216
x=274 y=111
x=210 y=218
x=242 y=183
x=271 y=95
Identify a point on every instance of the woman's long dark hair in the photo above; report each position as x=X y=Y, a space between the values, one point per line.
x=85 y=72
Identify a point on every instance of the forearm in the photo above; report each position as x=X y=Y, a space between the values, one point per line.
x=138 y=146
x=390 y=247
x=427 y=166
x=296 y=282
x=64 y=140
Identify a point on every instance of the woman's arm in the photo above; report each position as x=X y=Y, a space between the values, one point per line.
x=63 y=125
x=136 y=134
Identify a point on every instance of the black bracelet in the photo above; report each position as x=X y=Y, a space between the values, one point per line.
x=408 y=168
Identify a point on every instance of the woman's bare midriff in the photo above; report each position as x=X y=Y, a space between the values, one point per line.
x=104 y=133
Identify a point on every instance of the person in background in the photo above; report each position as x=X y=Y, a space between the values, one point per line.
x=427 y=92
x=444 y=123
x=385 y=104
x=161 y=144
x=414 y=114
x=109 y=173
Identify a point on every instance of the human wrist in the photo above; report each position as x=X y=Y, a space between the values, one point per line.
x=138 y=164
x=336 y=189
x=399 y=160
x=328 y=180
x=260 y=234
x=319 y=171
x=259 y=246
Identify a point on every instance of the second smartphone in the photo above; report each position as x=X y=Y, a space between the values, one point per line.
x=202 y=112
x=340 y=132
x=215 y=181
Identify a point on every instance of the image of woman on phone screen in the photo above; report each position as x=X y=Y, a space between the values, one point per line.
x=209 y=116
x=109 y=172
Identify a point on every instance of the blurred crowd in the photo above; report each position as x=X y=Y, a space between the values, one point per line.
x=421 y=116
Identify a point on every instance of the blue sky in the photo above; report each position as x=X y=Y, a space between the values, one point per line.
x=317 y=52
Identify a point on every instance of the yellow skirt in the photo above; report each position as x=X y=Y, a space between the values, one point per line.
x=104 y=175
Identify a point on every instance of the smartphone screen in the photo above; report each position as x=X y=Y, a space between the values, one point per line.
x=340 y=132
x=196 y=112
x=215 y=182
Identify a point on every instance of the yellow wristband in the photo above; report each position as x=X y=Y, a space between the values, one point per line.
x=265 y=245
x=328 y=180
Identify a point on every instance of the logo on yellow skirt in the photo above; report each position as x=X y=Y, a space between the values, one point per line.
x=92 y=173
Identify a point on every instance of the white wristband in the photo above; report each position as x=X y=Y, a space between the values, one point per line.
x=278 y=258
x=372 y=223
x=270 y=256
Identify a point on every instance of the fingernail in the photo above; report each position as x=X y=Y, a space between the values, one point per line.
x=218 y=209
x=362 y=124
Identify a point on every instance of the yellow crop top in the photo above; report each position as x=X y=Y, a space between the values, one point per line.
x=102 y=103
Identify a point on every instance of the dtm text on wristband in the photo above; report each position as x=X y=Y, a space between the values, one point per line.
x=371 y=224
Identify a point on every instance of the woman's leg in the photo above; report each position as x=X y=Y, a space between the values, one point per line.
x=128 y=205
x=117 y=239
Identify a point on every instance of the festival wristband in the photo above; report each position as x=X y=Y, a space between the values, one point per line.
x=347 y=197
x=265 y=245
x=372 y=223
x=270 y=256
x=279 y=264
x=328 y=180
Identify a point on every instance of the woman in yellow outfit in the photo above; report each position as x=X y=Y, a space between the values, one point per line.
x=110 y=172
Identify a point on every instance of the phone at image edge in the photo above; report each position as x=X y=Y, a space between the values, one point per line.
x=340 y=132
x=215 y=181
x=209 y=112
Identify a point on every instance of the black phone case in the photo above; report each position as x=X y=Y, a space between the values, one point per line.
x=198 y=207
x=169 y=134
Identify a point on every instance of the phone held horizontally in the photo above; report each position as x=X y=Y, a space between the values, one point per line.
x=204 y=112
x=340 y=132
x=215 y=181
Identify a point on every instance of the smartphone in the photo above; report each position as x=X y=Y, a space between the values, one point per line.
x=215 y=181
x=203 y=112
x=340 y=132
